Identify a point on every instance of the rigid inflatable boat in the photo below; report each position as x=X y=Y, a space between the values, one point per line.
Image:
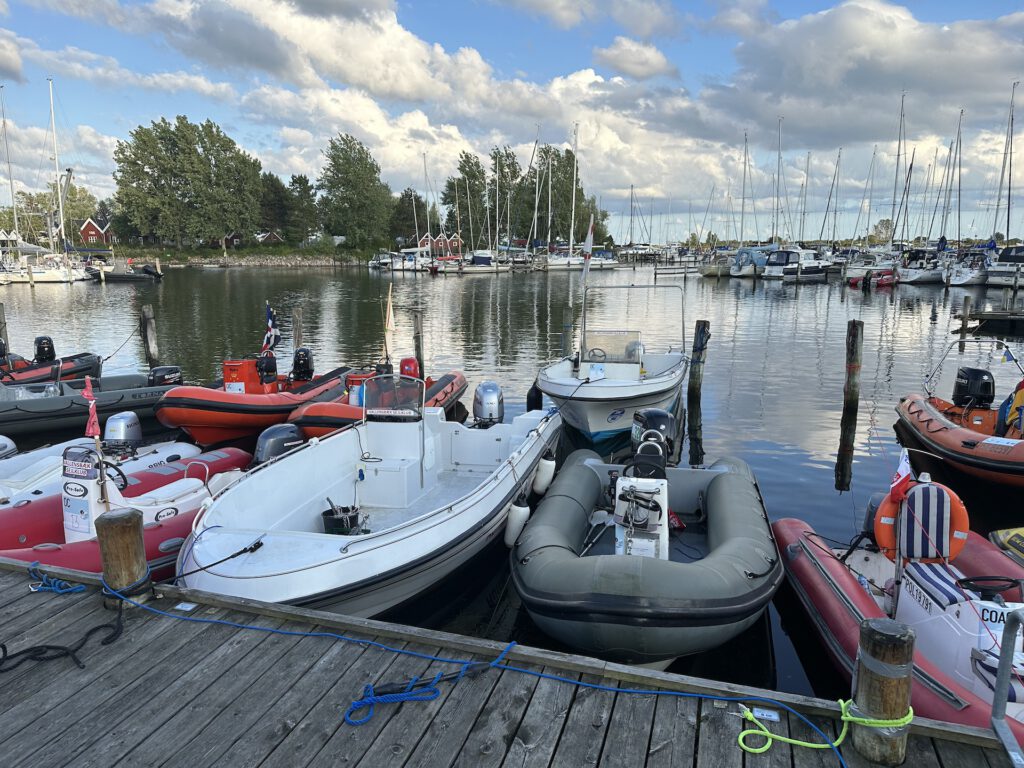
x=37 y=473
x=967 y=432
x=951 y=585
x=46 y=366
x=320 y=419
x=60 y=529
x=253 y=397
x=641 y=563
x=58 y=405
x=371 y=516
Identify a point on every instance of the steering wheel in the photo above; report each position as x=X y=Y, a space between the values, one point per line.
x=120 y=475
x=987 y=586
x=596 y=354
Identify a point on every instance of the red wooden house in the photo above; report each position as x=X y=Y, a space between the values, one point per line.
x=440 y=245
x=92 y=233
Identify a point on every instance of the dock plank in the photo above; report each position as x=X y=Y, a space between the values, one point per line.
x=716 y=736
x=953 y=754
x=541 y=727
x=630 y=728
x=491 y=736
x=805 y=757
x=585 y=728
x=780 y=755
x=673 y=732
x=997 y=758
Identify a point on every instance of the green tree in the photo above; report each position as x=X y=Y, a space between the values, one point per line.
x=104 y=210
x=405 y=225
x=882 y=231
x=274 y=202
x=355 y=202
x=465 y=197
x=303 y=218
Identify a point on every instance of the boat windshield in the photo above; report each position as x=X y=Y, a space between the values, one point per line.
x=393 y=398
x=613 y=347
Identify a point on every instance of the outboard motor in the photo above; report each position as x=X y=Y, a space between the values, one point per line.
x=122 y=434
x=266 y=367
x=45 y=353
x=649 y=424
x=384 y=369
x=275 y=441
x=302 y=364
x=488 y=404
x=641 y=504
x=974 y=387
x=409 y=366
x=163 y=376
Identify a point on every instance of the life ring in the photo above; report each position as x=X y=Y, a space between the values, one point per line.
x=889 y=511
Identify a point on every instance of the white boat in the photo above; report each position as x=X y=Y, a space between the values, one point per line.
x=860 y=263
x=969 y=269
x=48 y=269
x=612 y=376
x=799 y=265
x=750 y=260
x=374 y=514
x=920 y=267
x=1008 y=269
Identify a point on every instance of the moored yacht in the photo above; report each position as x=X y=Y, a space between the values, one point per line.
x=799 y=265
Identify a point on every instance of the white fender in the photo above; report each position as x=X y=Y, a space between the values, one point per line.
x=518 y=514
x=545 y=474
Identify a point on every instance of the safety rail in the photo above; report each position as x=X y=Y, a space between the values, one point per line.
x=1014 y=620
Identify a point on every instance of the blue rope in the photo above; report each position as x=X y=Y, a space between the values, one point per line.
x=414 y=691
x=47 y=583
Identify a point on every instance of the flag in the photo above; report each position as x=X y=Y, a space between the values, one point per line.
x=588 y=249
x=1008 y=356
x=901 y=479
x=273 y=335
x=92 y=427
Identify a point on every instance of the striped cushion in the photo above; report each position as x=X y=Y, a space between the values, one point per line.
x=985 y=665
x=925 y=522
x=938 y=581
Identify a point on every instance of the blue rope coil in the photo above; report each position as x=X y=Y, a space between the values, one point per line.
x=46 y=583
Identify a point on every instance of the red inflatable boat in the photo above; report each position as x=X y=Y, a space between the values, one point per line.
x=15 y=369
x=168 y=495
x=948 y=599
x=319 y=419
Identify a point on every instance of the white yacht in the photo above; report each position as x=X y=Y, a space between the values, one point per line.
x=796 y=265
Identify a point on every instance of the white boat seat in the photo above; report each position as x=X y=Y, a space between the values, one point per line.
x=985 y=664
x=938 y=581
x=169 y=493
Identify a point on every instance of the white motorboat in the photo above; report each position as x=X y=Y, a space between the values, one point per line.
x=1008 y=269
x=799 y=265
x=921 y=267
x=612 y=376
x=750 y=260
x=374 y=514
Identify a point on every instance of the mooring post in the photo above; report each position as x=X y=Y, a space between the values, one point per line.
x=123 y=553
x=297 y=327
x=417 y=339
x=701 y=335
x=851 y=403
x=3 y=325
x=31 y=276
x=158 y=270
x=147 y=327
x=854 y=344
x=885 y=666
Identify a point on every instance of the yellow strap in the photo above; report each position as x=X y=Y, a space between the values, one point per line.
x=845 y=716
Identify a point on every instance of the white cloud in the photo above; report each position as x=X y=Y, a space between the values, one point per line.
x=644 y=18
x=635 y=59
x=564 y=14
x=10 y=56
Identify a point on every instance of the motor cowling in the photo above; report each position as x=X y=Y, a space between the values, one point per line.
x=163 y=376
x=974 y=387
x=302 y=364
x=384 y=369
x=488 y=403
x=122 y=433
x=654 y=424
x=266 y=367
x=409 y=366
x=275 y=441
x=45 y=352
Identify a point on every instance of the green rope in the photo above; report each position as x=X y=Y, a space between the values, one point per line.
x=846 y=717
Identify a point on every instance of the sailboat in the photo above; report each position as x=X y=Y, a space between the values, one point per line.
x=1007 y=268
x=749 y=260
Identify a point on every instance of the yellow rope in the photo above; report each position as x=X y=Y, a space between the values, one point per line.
x=845 y=716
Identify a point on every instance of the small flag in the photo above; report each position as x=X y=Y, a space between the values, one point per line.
x=902 y=478
x=92 y=427
x=273 y=334
x=1007 y=356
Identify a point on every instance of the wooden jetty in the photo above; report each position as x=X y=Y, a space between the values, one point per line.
x=185 y=693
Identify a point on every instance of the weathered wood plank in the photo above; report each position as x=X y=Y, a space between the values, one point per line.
x=629 y=729
x=716 y=736
x=90 y=713
x=584 y=732
x=673 y=733
x=537 y=736
x=920 y=754
x=804 y=757
x=780 y=755
x=288 y=690
x=446 y=734
x=39 y=608
x=198 y=696
x=997 y=758
x=954 y=755
x=495 y=728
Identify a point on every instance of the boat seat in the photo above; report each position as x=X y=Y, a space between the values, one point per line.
x=925 y=523
x=985 y=665
x=169 y=493
x=938 y=581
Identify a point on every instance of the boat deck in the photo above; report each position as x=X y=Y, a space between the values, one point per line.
x=195 y=693
x=450 y=487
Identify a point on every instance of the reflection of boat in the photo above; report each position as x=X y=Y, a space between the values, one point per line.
x=946 y=582
x=371 y=516
x=613 y=375
x=684 y=562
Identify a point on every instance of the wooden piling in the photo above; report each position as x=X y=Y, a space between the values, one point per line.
x=885 y=664
x=123 y=553
x=31 y=276
x=297 y=327
x=3 y=326
x=701 y=335
x=851 y=404
x=854 y=344
x=147 y=329
x=417 y=339
x=158 y=270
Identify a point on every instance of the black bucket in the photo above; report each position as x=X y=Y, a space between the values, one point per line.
x=343 y=521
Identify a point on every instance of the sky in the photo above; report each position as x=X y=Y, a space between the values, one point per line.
x=662 y=93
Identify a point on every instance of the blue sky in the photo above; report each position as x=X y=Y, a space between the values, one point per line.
x=662 y=91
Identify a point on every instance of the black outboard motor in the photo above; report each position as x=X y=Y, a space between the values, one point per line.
x=657 y=420
x=302 y=364
x=45 y=353
x=266 y=366
x=275 y=441
x=164 y=376
x=384 y=369
x=974 y=387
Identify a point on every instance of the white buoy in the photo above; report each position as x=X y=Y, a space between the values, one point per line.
x=518 y=514
x=545 y=473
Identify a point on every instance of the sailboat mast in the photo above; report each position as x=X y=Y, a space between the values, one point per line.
x=549 y=203
x=572 y=210
x=896 y=178
x=497 y=198
x=469 y=211
x=743 y=189
x=777 y=213
x=10 y=174
x=630 y=214
x=803 y=195
x=56 y=169
x=835 y=209
x=426 y=199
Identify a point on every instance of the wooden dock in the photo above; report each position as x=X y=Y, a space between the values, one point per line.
x=177 y=693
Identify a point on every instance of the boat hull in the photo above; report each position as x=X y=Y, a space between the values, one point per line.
x=65 y=369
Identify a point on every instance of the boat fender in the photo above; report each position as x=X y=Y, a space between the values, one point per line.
x=545 y=473
x=518 y=514
x=7 y=447
x=888 y=514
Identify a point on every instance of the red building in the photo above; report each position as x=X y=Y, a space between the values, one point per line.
x=94 y=234
x=442 y=246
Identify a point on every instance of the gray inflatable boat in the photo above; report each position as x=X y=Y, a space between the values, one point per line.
x=606 y=567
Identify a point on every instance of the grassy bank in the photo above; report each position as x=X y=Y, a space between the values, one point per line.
x=255 y=255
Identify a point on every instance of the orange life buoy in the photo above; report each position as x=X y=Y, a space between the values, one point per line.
x=889 y=511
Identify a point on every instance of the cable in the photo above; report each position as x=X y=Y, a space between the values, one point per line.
x=122 y=345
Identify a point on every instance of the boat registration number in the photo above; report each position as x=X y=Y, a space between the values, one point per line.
x=1002 y=441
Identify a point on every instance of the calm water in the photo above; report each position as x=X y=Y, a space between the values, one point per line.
x=773 y=383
